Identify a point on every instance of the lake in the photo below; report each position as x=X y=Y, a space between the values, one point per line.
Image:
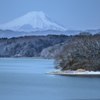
x=25 y=79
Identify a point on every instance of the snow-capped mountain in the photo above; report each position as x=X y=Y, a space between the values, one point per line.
x=32 y=21
x=36 y=23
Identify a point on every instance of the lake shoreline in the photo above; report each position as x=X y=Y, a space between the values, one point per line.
x=75 y=73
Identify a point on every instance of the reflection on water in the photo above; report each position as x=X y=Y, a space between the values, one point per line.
x=24 y=79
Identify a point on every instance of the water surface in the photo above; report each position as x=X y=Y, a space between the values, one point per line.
x=24 y=79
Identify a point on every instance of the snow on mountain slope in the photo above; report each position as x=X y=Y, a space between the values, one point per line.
x=33 y=21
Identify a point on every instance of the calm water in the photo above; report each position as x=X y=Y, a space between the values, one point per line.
x=24 y=79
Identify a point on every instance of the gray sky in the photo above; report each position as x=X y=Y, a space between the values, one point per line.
x=76 y=14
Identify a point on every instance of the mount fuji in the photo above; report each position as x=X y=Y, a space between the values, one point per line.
x=33 y=21
x=36 y=23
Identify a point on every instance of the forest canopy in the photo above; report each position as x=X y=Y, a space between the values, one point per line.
x=82 y=52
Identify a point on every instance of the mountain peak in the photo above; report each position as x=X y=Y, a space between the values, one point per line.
x=33 y=21
x=35 y=13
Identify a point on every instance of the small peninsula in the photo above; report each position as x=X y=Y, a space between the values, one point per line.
x=80 y=56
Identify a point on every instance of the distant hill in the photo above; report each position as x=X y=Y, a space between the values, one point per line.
x=29 y=46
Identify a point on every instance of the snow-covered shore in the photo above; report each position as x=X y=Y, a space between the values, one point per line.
x=74 y=73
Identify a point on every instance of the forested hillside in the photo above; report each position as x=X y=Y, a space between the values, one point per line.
x=82 y=52
x=29 y=46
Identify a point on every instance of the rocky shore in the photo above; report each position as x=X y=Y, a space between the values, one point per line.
x=73 y=73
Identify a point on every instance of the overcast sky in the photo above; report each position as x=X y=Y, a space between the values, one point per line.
x=76 y=14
